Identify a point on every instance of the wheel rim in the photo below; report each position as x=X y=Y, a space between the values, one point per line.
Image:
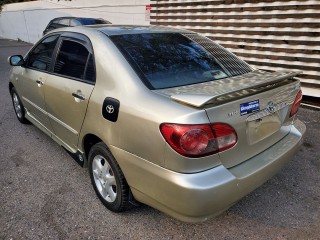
x=104 y=178
x=16 y=104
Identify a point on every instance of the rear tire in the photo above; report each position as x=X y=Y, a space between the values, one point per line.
x=18 y=106
x=107 y=178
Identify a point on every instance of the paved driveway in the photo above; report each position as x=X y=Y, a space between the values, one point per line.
x=44 y=194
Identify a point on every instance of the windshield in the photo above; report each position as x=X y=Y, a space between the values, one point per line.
x=165 y=60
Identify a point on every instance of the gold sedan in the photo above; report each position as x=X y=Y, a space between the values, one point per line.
x=161 y=116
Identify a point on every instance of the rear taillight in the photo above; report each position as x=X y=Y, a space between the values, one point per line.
x=296 y=104
x=199 y=140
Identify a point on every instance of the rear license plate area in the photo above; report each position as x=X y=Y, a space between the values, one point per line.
x=263 y=127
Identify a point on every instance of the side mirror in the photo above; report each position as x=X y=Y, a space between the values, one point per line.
x=16 y=60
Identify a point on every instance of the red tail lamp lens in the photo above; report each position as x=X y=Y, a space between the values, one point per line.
x=296 y=104
x=194 y=141
x=200 y=139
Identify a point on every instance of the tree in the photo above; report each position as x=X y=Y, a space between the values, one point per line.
x=3 y=2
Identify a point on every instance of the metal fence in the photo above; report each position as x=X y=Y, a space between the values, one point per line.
x=268 y=34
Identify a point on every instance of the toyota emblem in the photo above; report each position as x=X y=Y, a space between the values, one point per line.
x=271 y=107
x=110 y=109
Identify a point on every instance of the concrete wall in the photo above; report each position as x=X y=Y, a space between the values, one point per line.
x=26 y=21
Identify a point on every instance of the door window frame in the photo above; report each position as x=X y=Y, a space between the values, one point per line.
x=84 y=41
x=71 y=36
x=26 y=58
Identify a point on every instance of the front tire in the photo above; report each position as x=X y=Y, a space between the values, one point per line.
x=107 y=178
x=18 y=106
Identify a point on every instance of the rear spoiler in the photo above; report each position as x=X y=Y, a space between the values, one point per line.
x=198 y=95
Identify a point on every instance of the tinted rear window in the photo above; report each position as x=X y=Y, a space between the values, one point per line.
x=165 y=60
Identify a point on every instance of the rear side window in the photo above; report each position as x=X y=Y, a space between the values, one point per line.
x=90 y=74
x=75 y=61
x=165 y=60
x=41 y=56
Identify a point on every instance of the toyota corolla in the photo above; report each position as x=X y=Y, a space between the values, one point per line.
x=161 y=116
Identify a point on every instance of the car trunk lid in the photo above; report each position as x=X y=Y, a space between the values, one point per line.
x=257 y=105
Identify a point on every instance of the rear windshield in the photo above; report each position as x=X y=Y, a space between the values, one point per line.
x=165 y=60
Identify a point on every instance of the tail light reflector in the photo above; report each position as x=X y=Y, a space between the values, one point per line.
x=296 y=104
x=198 y=140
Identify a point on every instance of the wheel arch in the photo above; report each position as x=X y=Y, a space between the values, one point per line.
x=88 y=141
x=10 y=86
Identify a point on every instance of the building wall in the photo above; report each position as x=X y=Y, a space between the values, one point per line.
x=26 y=21
x=268 y=34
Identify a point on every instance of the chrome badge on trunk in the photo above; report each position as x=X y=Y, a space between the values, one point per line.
x=270 y=109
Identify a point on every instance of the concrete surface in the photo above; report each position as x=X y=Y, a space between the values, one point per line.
x=44 y=194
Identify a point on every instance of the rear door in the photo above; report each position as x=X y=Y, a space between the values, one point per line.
x=68 y=89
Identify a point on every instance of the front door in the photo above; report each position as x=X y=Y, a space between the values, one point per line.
x=34 y=76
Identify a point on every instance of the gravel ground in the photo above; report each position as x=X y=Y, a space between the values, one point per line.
x=44 y=194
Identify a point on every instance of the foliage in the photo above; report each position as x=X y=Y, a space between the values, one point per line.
x=3 y=2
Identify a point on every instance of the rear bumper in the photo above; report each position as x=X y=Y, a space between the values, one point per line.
x=196 y=197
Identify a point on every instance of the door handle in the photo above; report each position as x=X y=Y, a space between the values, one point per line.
x=39 y=82
x=79 y=95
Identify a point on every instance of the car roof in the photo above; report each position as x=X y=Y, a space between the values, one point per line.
x=111 y=30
